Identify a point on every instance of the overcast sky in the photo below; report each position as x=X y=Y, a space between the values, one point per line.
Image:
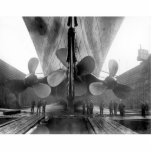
x=16 y=46
x=134 y=31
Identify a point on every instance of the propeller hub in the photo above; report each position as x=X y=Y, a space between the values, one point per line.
x=110 y=82
x=31 y=80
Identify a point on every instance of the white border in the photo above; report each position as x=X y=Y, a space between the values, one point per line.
x=75 y=143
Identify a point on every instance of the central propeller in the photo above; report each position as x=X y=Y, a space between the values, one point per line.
x=41 y=90
x=120 y=90
x=84 y=67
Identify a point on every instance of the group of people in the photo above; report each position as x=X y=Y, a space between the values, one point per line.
x=89 y=109
x=113 y=108
x=41 y=106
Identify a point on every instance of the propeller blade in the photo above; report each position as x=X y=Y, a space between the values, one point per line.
x=90 y=78
x=97 y=88
x=32 y=65
x=122 y=91
x=62 y=56
x=85 y=66
x=110 y=82
x=41 y=90
x=56 y=77
x=113 y=67
x=15 y=85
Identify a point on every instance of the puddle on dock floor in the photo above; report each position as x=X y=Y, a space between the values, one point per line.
x=62 y=126
x=141 y=126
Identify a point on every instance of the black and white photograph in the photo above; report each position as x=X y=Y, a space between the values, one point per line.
x=75 y=75
x=73 y=80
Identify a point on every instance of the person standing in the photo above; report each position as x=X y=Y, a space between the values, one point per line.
x=39 y=107
x=111 y=108
x=91 y=108
x=122 y=109
x=32 y=106
x=44 y=106
x=146 y=108
x=143 y=109
x=101 y=108
x=115 y=108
